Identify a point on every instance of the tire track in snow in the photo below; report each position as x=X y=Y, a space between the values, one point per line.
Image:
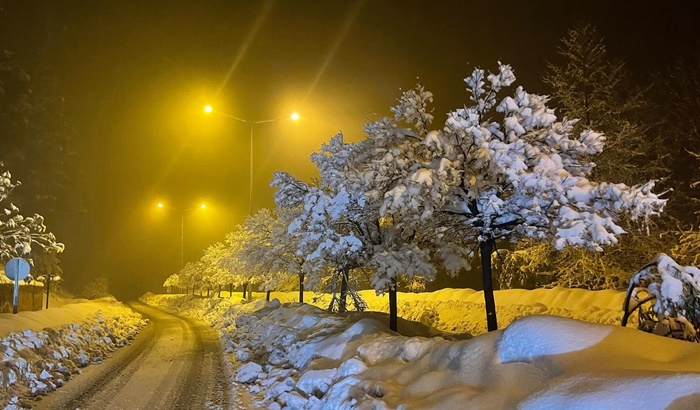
x=174 y=363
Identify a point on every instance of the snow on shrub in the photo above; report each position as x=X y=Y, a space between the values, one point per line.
x=667 y=296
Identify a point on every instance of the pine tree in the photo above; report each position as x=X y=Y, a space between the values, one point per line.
x=588 y=86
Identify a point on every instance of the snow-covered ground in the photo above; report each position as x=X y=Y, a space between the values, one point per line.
x=42 y=350
x=302 y=357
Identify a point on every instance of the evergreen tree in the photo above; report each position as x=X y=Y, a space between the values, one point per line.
x=587 y=85
x=679 y=105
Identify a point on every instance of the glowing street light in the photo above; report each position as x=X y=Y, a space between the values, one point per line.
x=182 y=227
x=294 y=117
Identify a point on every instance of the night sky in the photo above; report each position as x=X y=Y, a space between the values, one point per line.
x=136 y=74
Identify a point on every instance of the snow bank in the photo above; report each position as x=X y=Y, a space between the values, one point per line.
x=54 y=344
x=461 y=311
x=301 y=357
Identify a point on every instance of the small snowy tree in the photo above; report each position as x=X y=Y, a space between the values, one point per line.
x=322 y=234
x=234 y=265
x=215 y=277
x=190 y=276
x=284 y=246
x=172 y=281
x=667 y=297
x=340 y=223
x=263 y=260
x=505 y=168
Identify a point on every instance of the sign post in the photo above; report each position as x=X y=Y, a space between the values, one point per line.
x=16 y=269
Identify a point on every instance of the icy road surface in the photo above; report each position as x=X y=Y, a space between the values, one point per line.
x=174 y=363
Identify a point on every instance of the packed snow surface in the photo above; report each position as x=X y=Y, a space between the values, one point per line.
x=44 y=349
x=298 y=356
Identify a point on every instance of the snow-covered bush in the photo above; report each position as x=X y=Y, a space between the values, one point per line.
x=667 y=296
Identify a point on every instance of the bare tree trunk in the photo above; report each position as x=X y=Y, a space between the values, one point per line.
x=218 y=293
x=486 y=249
x=245 y=288
x=342 y=304
x=267 y=296
x=230 y=290
x=48 y=288
x=393 y=306
x=301 y=288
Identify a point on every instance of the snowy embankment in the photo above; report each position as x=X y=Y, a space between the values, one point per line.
x=44 y=349
x=462 y=310
x=301 y=357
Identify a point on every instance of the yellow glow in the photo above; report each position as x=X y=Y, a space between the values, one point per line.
x=208 y=108
x=160 y=205
x=294 y=116
x=203 y=206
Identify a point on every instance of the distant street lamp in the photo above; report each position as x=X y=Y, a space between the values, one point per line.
x=182 y=227
x=294 y=116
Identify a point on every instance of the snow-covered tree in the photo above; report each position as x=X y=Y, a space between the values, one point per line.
x=263 y=260
x=284 y=254
x=234 y=264
x=20 y=234
x=172 y=281
x=506 y=168
x=190 y=276
x=587 y=85
x=214 y=276
x=667 y=298
x=321 y=234
x=340 y=223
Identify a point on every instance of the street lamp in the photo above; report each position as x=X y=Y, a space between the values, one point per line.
x=182 y=226
x=294 y=116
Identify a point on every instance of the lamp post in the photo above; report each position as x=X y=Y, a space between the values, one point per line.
x=182 y=227
x=294 y=116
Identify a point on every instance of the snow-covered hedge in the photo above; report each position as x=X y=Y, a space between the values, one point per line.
x=668 y=298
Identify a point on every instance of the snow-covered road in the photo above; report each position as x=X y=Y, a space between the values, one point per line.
x=174 y=363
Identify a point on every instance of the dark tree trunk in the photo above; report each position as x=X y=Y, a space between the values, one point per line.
x=230 y=290
x=218 y=293
x=486 y=249
x=301 y=288
x=267 y=296
x=342 y=303
x=208 y=288
x=48 y=288
x=393 y=306
x=245 y=289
